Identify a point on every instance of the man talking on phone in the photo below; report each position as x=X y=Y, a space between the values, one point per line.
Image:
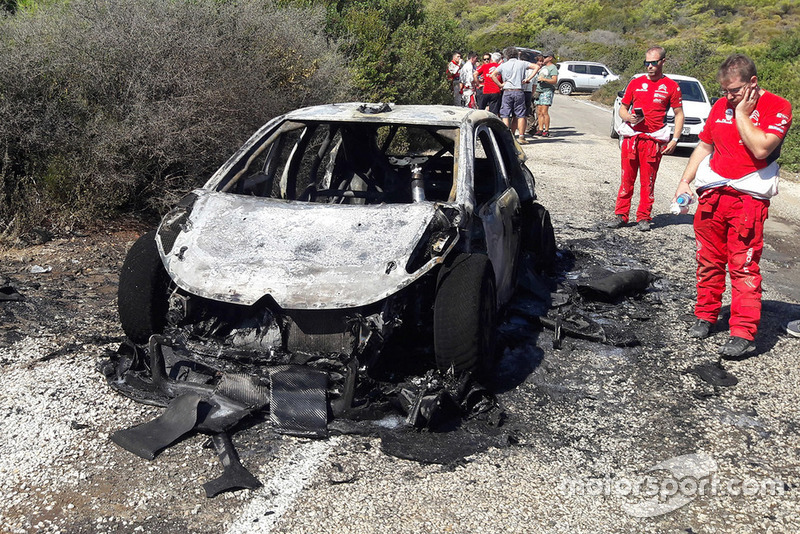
x=735 y=171
x=646 y=136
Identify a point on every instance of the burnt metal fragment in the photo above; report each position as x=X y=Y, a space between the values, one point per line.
x=612 y=287
x=148 y=439
x=8 y=293
x=234 y=475
x=298 y=405
x=714 y=374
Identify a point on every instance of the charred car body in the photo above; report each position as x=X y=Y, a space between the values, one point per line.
x=340 y=228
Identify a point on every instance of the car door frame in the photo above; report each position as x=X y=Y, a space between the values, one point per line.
x=501 y=218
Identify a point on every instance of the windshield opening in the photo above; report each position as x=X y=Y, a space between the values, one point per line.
x=348 y=163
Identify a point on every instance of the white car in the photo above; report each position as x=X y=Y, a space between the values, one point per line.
x=696 y=107
x=582 y=76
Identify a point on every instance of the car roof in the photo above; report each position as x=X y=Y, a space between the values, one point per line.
x=582 y=63
x=434 y=115
x=525 y=49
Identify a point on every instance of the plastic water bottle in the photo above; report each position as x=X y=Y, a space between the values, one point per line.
x=681 y=204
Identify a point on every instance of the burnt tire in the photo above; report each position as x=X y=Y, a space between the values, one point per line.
x=538 y=237
x=143 y=294
x=464 y=314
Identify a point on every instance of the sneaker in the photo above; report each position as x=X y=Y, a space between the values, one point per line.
x=617 y=222
x=793 y=328
x=537 y=132
x=545 y=133
x=736 y=347
x=521 y=140
x=700 y=329
x=643 y=226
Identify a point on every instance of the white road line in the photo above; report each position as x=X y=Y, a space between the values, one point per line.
x=279 y=493
x=597 y=106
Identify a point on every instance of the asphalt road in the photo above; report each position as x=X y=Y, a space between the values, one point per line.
x=604 y=438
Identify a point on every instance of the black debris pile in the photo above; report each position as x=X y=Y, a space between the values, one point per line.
x=597 y=308
x=713 y=373
x=436 y=418
x=10 y=294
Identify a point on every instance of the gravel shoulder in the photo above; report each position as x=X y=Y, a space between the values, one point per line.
x=586 y=419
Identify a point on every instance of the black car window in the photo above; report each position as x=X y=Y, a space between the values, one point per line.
x=597 y=70
x=580 y=69
x=691 y=91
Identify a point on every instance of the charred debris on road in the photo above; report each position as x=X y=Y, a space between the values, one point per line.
x=220 y=386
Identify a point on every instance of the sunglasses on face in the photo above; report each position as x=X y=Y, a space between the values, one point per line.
x=726 y=92
x=652 y=63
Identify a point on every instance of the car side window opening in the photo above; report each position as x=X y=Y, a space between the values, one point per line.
x=509 y=161
x=691 y=91
x=580 y=69
x=597 y=70
x=488 y=172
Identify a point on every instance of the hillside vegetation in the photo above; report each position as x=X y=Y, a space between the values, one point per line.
x=116 y=107
x=697 y=34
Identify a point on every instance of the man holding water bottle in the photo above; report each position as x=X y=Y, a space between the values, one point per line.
x=735 y=172
x=646 y=136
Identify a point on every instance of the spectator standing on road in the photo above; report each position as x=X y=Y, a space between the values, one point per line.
x=527 y=89
x=513 y=72
x=453 y=76
x=546 y=87
x=646 y=136
x=468 y=79
x=491 y=90
x=480 y=78
x=735 y=172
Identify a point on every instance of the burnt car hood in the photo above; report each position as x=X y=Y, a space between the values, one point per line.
x=238 y=249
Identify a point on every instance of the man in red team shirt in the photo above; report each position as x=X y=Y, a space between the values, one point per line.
x=645 y=136
x=491 y=91
x=735 y=172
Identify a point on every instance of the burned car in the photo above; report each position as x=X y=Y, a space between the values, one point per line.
x=346 y=228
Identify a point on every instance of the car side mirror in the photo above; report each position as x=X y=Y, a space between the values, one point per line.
x=714 y=100
x=620 y=93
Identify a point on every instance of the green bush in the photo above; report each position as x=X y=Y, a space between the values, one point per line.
x=397 y=50
x=123 y=105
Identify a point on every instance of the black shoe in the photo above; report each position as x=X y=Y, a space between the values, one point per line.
x=643 y=225
x=736 y=347
x=700 y=329
x=616 y=222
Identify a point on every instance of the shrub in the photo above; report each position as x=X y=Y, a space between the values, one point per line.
x=398 y=50
x=112 y=105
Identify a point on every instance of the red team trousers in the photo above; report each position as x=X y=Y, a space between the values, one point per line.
x=729 y=228
x=640 y=154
